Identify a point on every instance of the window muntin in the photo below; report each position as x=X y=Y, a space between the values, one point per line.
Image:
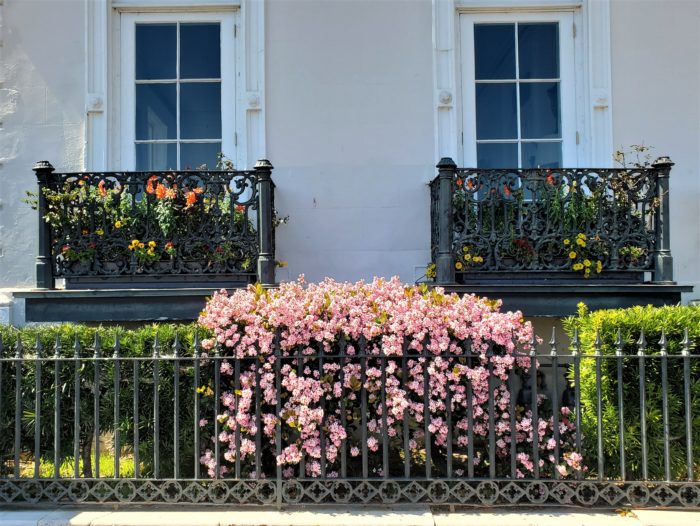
x=178 y=88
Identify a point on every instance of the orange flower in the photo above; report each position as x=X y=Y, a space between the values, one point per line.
x=101 y=188
x=459 y=183
x=191 y=198
x=506 y=190
x=198 y=190
x=170 y=193
x=240 y=209
x=550 y=178
x=470 y=184
x=160 y=191
x=149 y=184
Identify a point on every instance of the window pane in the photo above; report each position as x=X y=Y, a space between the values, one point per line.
x=539 y=110
x=496 y=114
x=155 y=51
x=541 y=155
x=158 y=156
x=494 y=50
x=200 y=110
x=538 y=51
x=200 y=51
x=497 y=155
x=155 y=111
x=194 y=155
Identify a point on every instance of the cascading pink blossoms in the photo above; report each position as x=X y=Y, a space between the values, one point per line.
x=407 y=338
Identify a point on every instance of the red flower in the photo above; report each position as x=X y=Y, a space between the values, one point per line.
x=506 y=190
x=149 y=184
x=101 y=188
x=459 y=183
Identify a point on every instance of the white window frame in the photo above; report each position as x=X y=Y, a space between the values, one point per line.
x=568 y=83
x=593 y=62
x=227 y=21
x=103 y=83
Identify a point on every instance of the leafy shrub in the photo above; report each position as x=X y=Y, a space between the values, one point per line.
x=630 y=322
x=133 y=343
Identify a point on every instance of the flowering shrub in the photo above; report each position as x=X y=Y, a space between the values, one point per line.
x=351 y=358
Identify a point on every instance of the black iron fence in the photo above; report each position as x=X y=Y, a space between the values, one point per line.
x=155 y=228
x=582 y=223
x=611 y=425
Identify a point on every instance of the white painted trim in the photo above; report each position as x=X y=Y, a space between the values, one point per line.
x=445 y=80
x=569 y=85
x=229 y=68
x=103 y=135
x=511 y=6
x=599 y=68
x=593 y=59
x=175 y=5
x=96 y=85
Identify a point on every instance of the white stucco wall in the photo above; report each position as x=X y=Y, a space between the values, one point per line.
x=656 y=101
x=349 y=118
x=350 y=131
x=41 y=115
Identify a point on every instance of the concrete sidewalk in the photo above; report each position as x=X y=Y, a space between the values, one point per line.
x=355 y=516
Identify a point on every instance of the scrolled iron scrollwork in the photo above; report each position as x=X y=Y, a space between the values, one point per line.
x=117 y=224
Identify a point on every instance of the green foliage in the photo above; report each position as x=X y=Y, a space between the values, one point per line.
x=671 y=319
x=134 y=343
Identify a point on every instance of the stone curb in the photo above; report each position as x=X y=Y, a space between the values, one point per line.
x=355 y=516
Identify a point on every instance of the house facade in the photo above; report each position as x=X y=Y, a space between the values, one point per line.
x=353 y=102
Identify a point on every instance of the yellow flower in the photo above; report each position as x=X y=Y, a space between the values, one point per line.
x=580 y=242
x=118 y=224
x=465 y=248
x=567 y=242
x=478 y=259
x=578 y=266
x=581 y=236
x=134 y=242
x=458 y=265
x=468 y=257
x=587 y=262
x=141 y=245
x=572 y=255
x=599 y=266
x=100 y=232
x=151 y=244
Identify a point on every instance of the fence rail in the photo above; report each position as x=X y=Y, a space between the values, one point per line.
x=177 y=423
x=157 y=228
x=565 y=223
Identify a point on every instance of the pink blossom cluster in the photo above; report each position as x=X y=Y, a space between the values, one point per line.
x=408 y=355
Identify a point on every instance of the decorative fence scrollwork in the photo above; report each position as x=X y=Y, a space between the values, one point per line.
x=154 y=227
x=566 y=223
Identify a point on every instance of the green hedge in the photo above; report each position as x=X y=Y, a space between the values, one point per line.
x=134 y=342
x=673 y=320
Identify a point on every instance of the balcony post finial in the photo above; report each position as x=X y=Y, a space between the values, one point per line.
x=445 y=266
x=44 y=259
x=663 y=261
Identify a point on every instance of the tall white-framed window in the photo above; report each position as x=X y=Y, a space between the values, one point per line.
x=178 y=89
x=519 y=89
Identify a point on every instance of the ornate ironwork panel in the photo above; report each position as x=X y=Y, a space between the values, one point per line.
x=190 y=223
x=587 y=222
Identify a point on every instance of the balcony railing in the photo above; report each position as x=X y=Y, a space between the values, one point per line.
x=155 y=228
x=556 y=224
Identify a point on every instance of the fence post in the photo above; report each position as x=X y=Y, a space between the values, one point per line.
x=266 y=257
x=663 y=262
x=44 y=259
x=445 y=267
